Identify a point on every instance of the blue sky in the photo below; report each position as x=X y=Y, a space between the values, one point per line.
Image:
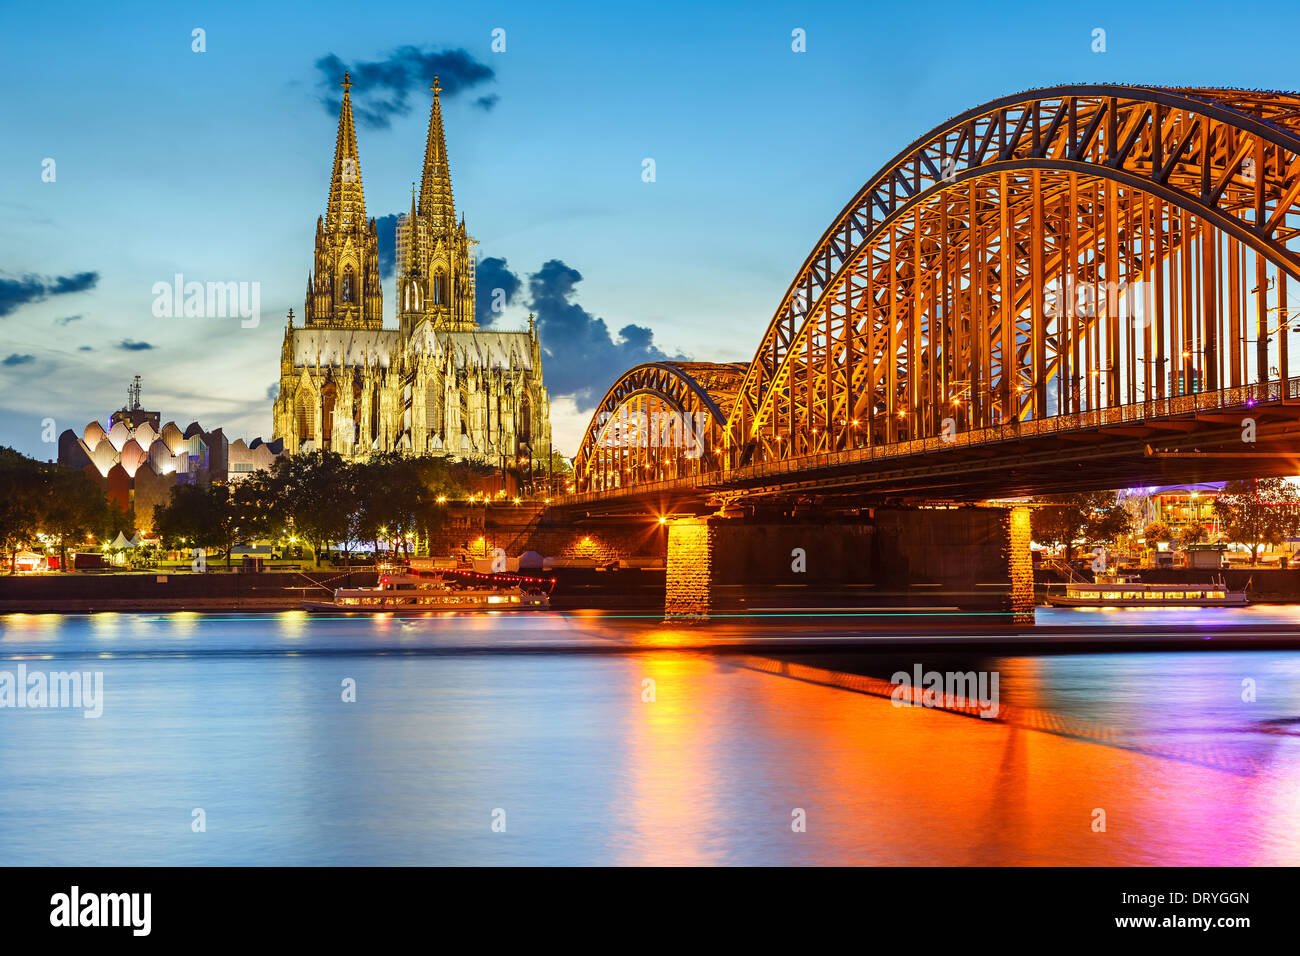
x=216 y=164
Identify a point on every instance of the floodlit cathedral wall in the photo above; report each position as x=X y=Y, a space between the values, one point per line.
x=436 y=384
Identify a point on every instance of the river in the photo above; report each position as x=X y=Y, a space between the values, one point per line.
x=593 y=739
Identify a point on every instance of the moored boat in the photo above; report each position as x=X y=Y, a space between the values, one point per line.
x=1127 y=590
x=413 y=593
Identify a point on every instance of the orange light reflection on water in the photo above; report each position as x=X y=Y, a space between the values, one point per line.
x=892 y=785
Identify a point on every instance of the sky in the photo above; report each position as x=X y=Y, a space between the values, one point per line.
x=215 y=164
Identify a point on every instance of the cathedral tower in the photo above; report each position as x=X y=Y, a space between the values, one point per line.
x=434 y=385
x=343 y=290
x=412 y=290
x=443 y=249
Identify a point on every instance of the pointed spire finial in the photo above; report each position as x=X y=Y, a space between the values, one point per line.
x=436 y=203
x=346 y=206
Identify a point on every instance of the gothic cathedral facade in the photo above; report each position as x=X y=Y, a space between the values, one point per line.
x=436 y=384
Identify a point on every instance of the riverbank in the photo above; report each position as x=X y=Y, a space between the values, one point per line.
x=217 y=592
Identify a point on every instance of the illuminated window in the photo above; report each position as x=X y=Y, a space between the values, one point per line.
x=1173 y=594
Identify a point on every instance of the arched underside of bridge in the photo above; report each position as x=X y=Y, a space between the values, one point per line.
x=1087 y=264
x=660 y=421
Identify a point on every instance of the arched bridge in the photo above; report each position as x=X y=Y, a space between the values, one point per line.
x=1074 y=287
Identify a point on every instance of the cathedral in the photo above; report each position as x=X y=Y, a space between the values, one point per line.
x=436 y=384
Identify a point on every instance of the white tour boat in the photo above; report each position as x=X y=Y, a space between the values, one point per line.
x=409 y=592
x=1127 y=590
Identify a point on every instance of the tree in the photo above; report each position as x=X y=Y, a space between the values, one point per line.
x=20 y=481
x=72 y=506
x=1095 y=517
x=1154 y=533
x=1258 y=511
x=318 y=495
x=257 y=508
x=116 y=520
x=196 y=516
x=1193 y=533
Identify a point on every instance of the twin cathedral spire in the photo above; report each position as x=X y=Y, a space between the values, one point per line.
x=435 y=263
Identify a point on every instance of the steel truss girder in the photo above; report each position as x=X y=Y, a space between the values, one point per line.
x=1229 y=159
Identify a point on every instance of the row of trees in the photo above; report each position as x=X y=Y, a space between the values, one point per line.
x=62 y=504
x=1252 y=512
x=322 y=498
x=1260 y=511
x=1093 y=518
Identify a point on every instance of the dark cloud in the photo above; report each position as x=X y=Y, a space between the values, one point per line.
x=492 y=274
x=68 y=319
x=15 y=293
x=386 y=227
x=77 y=283
x=85 y=348
x=382 y=89
x=16 y=359
x=581 y=357
x=131 y=345
x=273 y=391
x=486 y=103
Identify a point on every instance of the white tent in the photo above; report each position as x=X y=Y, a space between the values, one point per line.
x=28 y=561
x=121 y=542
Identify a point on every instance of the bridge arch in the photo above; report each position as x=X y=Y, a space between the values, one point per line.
x=1055 y=252
x=658 y=421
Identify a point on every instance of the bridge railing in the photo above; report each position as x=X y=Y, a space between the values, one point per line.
x=1242 y=397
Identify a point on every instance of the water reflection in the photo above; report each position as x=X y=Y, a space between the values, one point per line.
x=244 y=716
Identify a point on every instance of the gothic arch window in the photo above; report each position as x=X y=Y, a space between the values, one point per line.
x=412 y=297
x=329 y=397
x=306 y=420
x=348 y=285
x=374 y=414
x=439 y=288
x=524 y=430
x=356 y=410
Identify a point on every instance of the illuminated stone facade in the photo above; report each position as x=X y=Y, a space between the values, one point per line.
x=436 y=384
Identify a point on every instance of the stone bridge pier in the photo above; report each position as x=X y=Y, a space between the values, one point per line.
x=967 y=562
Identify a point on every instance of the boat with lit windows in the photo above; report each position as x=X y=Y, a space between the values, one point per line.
x=1127 y=590
x=408 y=593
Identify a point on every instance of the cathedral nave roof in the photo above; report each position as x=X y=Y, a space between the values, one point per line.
x=349 y=347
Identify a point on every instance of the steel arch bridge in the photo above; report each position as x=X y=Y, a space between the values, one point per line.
x=1056 y=261
x=661 y=420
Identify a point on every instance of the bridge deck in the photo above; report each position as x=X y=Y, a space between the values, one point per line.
x=1190 y=437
